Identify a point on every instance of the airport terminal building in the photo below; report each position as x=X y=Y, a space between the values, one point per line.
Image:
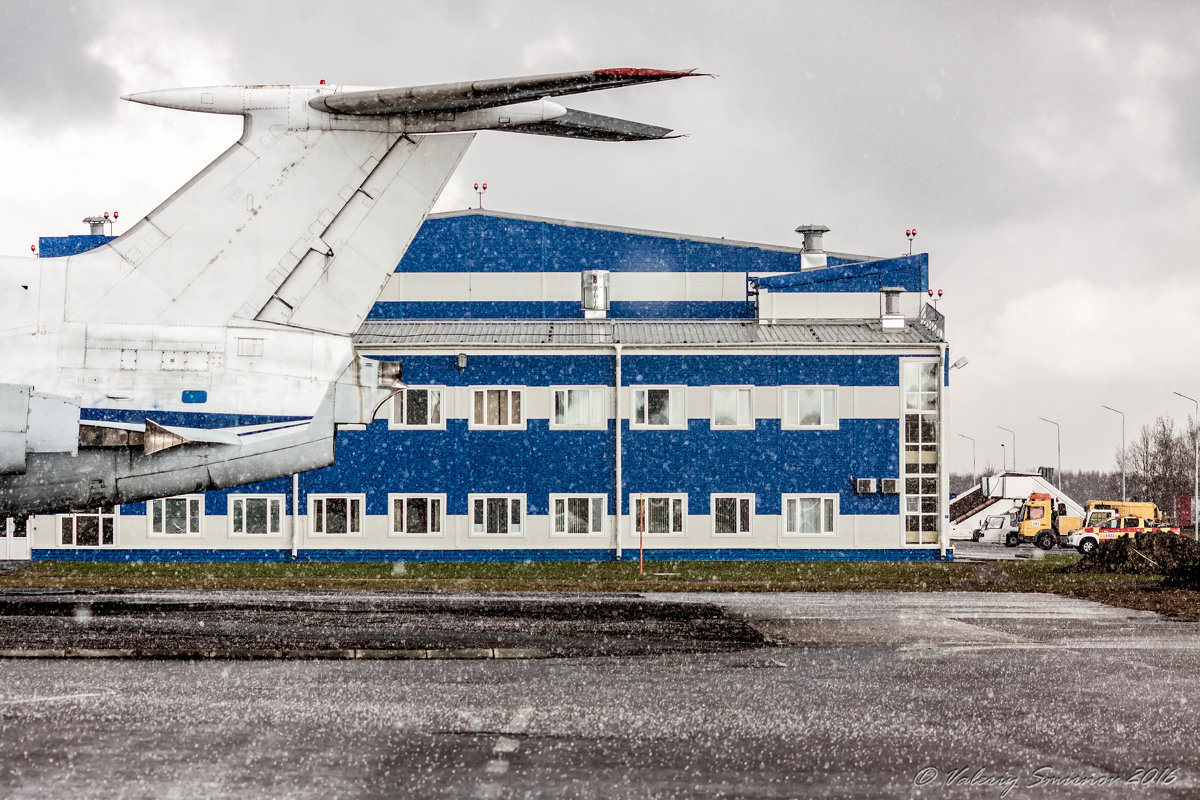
x=577 y=391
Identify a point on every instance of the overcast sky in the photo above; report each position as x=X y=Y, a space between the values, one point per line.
x=1047 y=153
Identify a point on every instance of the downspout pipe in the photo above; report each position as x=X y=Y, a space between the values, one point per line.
x=943 y=471
x=295 y=515
x=619 y=484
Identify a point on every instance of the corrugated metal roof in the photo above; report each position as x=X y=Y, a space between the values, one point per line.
x=570 y=331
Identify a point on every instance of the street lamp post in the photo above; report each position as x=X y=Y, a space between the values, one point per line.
x=972 y=441
x=1014 y=444
x=1122 y=413
x=1195 y=467
x=1003 y=459
x=1058 y=469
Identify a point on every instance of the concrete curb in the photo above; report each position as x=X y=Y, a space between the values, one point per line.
x=366 y=654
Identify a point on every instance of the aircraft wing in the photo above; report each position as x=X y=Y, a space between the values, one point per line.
x=472 y=95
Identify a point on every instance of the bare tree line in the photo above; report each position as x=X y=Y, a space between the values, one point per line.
x=1159 y=460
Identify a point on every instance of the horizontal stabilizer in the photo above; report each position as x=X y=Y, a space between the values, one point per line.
x=471 y=95
x=583 y=125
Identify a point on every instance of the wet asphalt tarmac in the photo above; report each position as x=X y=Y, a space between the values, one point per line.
x=862 y=695
x=256 y=624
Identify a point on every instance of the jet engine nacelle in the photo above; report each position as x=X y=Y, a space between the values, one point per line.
x=34 y=422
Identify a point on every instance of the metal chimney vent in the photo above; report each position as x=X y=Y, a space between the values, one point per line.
x=594 y=291
x=812 y=238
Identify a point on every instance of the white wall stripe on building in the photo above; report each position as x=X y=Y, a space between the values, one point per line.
x=564 y=287
x=853 y=402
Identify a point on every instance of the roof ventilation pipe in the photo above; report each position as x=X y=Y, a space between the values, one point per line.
x=812 y=253
x=594 y=290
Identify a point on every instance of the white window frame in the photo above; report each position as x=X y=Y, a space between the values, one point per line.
x=314 y=517
x=635 y=499
x=518 y=391
x=739 y=497
x=484 y=497
x=399 y=407
x=592 y=499
x=825 y=425
x=114 y=513
x=739 y=425
x=271 y=499
x=677 y=418
x=830 y=498
x=194 y=517
x=597 y=408
x=403 y=499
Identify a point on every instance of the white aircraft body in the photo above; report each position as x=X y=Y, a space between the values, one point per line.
x=210 y=345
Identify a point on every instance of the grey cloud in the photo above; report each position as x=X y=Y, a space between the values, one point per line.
x=45 y=66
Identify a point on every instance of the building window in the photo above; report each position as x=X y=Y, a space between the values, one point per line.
x=809 y=407
x=418 y=407
x=94 y=528
x=418 y=514
x=810 y=514
x=498 y=515
x=659 y=514
x=256 y=515
x=922 y=494
x=658 y=407
x=580 y=514
x=176 y=516
x=496 y=408
x=336 y=515
x=733 y=407
x=578 y=407
x=732 y=513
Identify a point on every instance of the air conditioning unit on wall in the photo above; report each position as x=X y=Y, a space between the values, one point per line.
x=889 y=485
x=864 y=485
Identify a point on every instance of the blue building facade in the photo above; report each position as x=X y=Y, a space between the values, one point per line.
x=733 y=401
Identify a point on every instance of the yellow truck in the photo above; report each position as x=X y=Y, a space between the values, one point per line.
x=1045 y=523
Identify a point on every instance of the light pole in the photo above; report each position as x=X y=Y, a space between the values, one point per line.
x=972 y=441
x=1195 y=467
x=1058 y=469
x=1122 y=413
x=1014 y=438
x=1003 y=460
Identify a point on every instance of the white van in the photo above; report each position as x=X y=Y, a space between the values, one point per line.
x=995 y=528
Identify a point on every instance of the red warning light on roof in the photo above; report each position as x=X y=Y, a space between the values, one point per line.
x=322 y=81
x=485 y=186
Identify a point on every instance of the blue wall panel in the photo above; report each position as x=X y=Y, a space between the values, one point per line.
x=908 y=272
x=564 y=554
x=539 y=461
x=59 y=246
x=483 y=243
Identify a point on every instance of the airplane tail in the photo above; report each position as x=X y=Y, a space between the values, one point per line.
x=301 y=222
x=294 y=227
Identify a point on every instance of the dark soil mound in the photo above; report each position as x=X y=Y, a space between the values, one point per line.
x=1148 y=554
